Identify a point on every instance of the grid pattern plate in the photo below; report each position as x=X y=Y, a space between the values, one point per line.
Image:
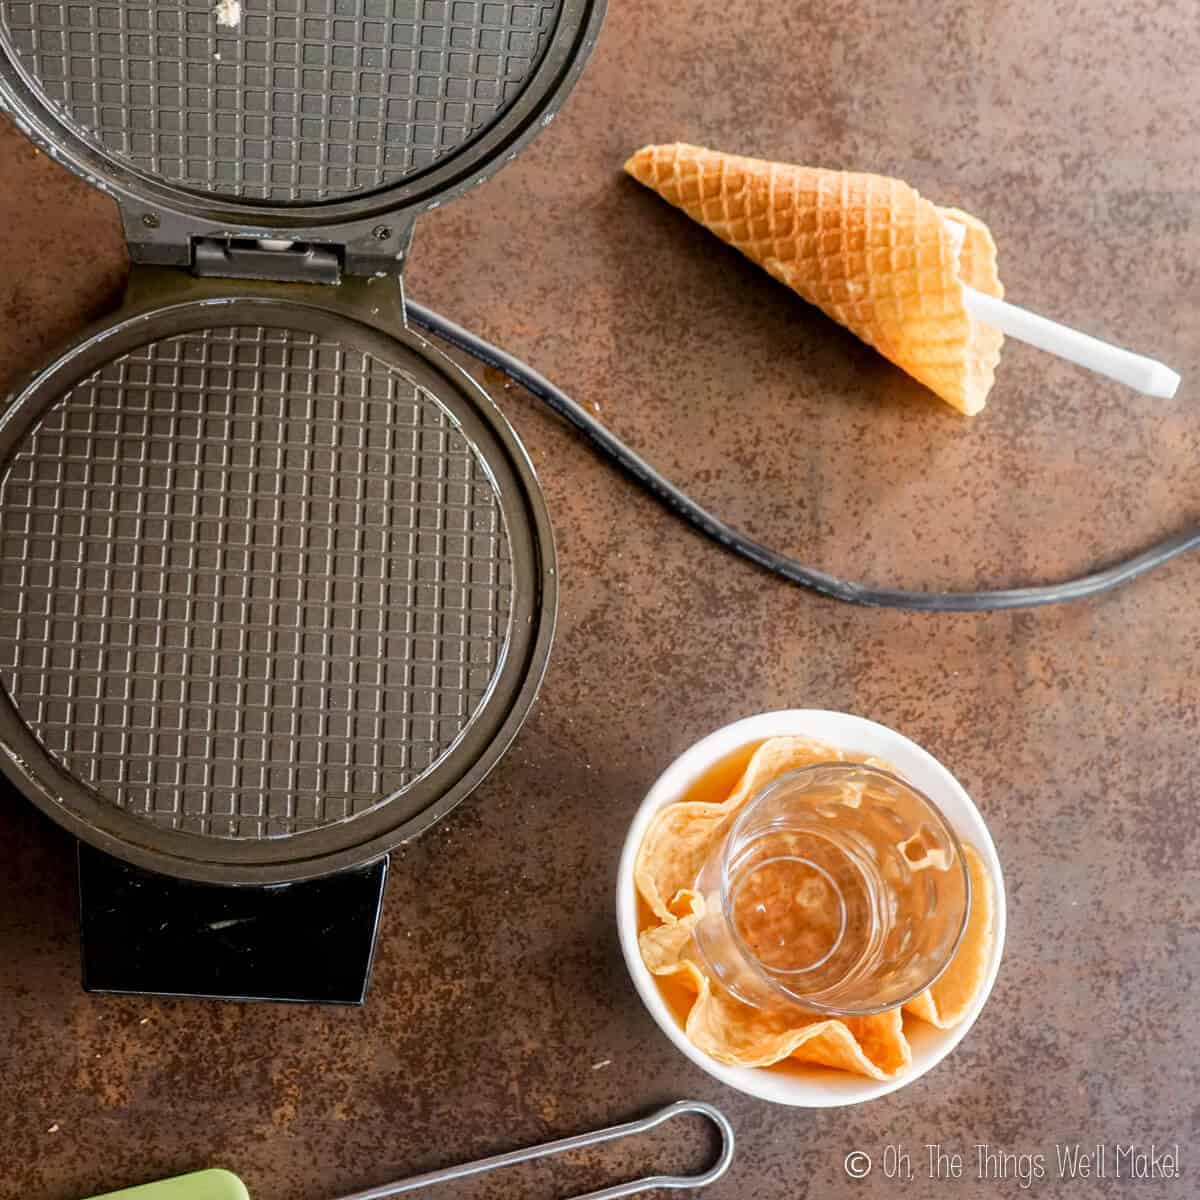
x=252 y=582
x=304 y=101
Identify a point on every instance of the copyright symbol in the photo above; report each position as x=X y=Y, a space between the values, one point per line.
x=857 y=1164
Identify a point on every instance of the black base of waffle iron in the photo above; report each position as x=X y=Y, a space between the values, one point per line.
x=150 y=934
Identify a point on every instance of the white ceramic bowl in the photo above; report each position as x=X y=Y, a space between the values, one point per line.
x=814 y=1087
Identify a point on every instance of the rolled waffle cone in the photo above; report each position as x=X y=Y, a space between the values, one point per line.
x=867 y=250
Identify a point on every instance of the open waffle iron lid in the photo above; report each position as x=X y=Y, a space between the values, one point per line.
x=307 y=115
x=277 y=580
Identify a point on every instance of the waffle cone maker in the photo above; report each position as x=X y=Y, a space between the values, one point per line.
x=276 y=577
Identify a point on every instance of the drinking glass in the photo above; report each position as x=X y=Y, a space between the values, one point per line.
x=840 y=889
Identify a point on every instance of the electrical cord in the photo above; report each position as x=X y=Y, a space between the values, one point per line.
x=682 y=505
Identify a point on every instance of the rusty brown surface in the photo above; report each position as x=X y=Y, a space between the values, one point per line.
x=498 y=983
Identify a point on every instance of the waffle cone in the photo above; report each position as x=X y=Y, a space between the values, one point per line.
x=869 y=251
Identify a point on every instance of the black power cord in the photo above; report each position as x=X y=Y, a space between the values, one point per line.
x=667 y=494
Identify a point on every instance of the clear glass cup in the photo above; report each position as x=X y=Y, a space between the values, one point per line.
x=840 y=889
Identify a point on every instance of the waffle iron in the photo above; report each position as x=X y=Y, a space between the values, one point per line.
x=277 y=581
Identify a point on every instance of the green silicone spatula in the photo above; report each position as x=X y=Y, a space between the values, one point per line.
x=199 y=1185
x=222 y=1185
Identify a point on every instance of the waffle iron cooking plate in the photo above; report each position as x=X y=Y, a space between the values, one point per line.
x=276 y=577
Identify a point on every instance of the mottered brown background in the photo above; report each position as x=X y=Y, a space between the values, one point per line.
x=500 y=1012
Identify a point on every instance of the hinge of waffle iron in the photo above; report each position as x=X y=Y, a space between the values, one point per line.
x=368 y=248
x=265 y=258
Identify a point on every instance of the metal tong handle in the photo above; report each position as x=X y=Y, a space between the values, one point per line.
x=579 y=1142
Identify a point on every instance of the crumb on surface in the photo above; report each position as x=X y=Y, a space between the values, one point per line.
x=228 y=13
